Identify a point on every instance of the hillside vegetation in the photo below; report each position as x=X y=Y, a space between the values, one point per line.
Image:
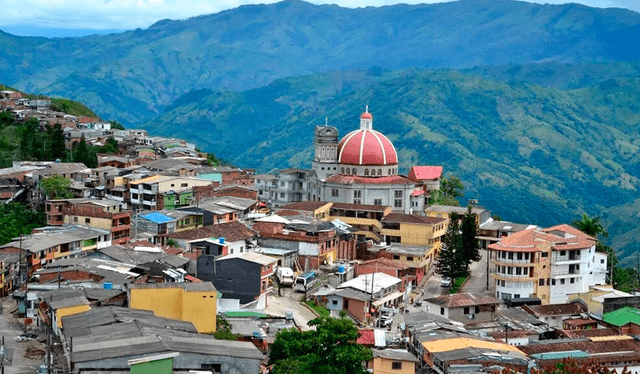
x=133 y=76
x=532 y=154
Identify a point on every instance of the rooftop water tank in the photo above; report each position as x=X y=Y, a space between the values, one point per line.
x=107 y=285
x=221 y=240
x=341 y=269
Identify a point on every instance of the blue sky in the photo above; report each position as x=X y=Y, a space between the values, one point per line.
x=43 y=17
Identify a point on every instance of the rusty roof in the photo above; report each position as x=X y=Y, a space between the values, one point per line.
x=411 y=218
x=232 y=231
x=572 y=308
x=459 y=300
x=305 y=205
x=588 y=333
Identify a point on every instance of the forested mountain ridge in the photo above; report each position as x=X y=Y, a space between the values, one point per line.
x=133 y=76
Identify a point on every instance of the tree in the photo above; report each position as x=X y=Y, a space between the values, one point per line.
x=29 y=145
x=590 y=226
x=16 y=219
x=212 y=160
x=56 y=187
x=82 y=153
x=450 y=260
x=6 y=119
x=450 y=189
x=470 y=246
x=330 y=349
x=115 y=125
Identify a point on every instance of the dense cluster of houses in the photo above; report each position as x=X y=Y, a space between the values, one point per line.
x=155 y=244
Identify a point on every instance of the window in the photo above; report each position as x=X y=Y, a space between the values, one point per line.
x=510 y=255
x=379 y=172
x=396 y=365
x=602 y=261
x=334 y=192
x=545 y=254
x=519 y=255
x=397 y=194
x=184 y=184
x=562 y=281
x=541 y=282
x=173 y=185
x=342 y=170
x=572 y=280
x=563 y=253
x=353 y=171
x=366 y=172
x=75 y=219
x=553 y=282
x=282 y=195
x=466 y=310
x=442 y=311
x=377 y=201
x=357 y=194
x=477 y=309
x=281 y=184
x=334 y=302
x=409 y=258
x=396 y=257
x=87 y=220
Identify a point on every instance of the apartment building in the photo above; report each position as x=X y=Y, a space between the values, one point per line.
x=546 y=263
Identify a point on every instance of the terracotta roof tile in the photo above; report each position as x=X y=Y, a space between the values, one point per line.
x=363 y=207
x=463 y=299
x=556 y=309
x=420 y=173
x=367 y=337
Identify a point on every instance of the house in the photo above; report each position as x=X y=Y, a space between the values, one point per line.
x=49 y=244
x=191 y=302
x=60 y=303
x=220 y=239
x=361 y=294
x=515 y=337
x=242 y=276
x=100 y=214
x=366 y=218
x=603 y=299
x=546 y=263
x=150 y=193
x=444 y=211
x=428 y=177
x=418 y=258
x=317 y=242
x=491 y=231
x=108 y=339
x=393 y=268
x=625 y=320
x=8 y=272
x=392 y=361
x=413 y=230
x=464 y=307
x=315 y=209
x=556 y=314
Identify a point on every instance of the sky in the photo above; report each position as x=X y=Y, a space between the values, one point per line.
x=77 y=18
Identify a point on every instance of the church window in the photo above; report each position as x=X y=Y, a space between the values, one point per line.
x=398 y=194
x=353 y=171
x=366 y=172
x=379 y=172
x=342 y=170
x=397 y=203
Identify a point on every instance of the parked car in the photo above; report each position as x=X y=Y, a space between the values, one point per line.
x=385 y=321
x=25 y=337
x=446 y=282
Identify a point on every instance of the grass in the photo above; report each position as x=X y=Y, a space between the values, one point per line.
x=321 y=310
x=457 y=283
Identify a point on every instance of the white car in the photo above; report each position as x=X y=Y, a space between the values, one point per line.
x=446 y=282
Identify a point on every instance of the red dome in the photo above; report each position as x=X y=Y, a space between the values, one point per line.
x=366 y=147
x=366 y=115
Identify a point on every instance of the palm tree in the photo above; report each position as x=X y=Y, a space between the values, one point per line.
x=590 y=226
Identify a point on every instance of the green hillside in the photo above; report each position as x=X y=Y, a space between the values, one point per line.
x=531 y=153
x=133 y=76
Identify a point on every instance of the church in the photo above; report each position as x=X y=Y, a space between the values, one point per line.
x=362 y=168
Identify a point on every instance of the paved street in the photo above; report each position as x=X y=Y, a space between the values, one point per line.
x=289 y=301
x=9 y=328
x=478 y=281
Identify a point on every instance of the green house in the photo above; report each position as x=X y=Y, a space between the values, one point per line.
x=157 y=364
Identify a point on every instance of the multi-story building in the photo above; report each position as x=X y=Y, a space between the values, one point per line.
x=100 y=214
x=49 y=244
x=547 y=264
x=151 y=193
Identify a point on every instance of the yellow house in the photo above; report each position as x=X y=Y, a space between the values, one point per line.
x=64 y=302
x=444 y=211
x=191 y=302
x=388 y=361
x=366 y=218
x=596 y=297
x=315 y=209
x=408 y=229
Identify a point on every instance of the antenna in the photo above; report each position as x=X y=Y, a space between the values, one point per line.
x=326 y=121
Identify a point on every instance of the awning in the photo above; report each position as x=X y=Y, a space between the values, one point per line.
x=392 y=296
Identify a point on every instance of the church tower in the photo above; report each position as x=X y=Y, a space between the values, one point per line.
x=325 y=159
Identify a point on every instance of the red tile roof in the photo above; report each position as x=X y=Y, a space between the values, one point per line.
x=354 y=179
x=588 y=333
x=601 y=347
x=513 y=334
x=417 y=193
x=410 y=218
x=386 y=263
x=579 y=321
x=531 y=240
x=232 y=231
x=367 y=338
x=420 y=173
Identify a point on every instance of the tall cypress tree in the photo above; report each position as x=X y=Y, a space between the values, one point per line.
x=470 y=246
x=449 y=261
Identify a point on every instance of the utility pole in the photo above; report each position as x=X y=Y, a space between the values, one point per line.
x=488 y=254
x=20 y=268
x=59 y=277
x=48 y=358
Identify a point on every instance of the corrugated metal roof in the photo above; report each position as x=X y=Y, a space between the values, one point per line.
x=158 y=218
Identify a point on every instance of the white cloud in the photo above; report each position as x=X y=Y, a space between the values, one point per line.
x=131 y=14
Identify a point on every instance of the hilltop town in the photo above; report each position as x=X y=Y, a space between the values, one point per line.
x=161 y=256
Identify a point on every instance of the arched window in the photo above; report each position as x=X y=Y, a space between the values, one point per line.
x=379 y=172
x=353 y=171
x=366 y=172
x=342 y=170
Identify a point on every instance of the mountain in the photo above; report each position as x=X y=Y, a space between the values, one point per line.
x=133 y=76
x=530 y=153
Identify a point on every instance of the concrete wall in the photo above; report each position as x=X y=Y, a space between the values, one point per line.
x=235 y=279
x=385 y=366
